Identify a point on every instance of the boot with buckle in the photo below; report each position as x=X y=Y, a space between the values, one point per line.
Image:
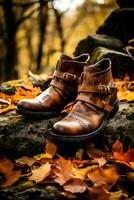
x=95 y=103
x=61 y=91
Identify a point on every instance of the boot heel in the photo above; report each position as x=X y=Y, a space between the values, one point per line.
x=115 y=109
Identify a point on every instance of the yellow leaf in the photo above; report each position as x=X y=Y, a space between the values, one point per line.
x=40 y=173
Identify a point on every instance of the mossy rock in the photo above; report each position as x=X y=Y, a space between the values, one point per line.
x=122 y=63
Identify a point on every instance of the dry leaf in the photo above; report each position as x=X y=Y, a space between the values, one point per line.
x=95 y=153
x=42 y=155
x=117 y=195
x=51 y=148
x=25 y=160
x=11 y=178
x=101 y=161
x=117 y=147
x=129 y=155
x=79 y=154
x=105 y=177
x=75 y=186
x=80 y=173
x=40 y=173
x=131 y=176
x=62 y=171
x=6 y=168
x=97 y=193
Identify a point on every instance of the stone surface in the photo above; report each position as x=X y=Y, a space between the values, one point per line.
x=95 y=40
x=19 y=136
x=119 y=24
x=122 y=63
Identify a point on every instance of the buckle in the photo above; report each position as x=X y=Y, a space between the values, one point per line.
x=69 y=77
x=104 y=89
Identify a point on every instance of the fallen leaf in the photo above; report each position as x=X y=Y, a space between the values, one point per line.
x=51 y=148
x=75 y=186
x=118 y=195
x=40 y=173
x=25 y=160
x=62 y=171
x=117 y=147
x=79 y=154
x=95 y=153
x=129 y=155
x=80 y=173
x=6 y=168
x=11 y=178
x=101 y=161
x=69 y=195
x=131 y=176
x=7 y=109
x=42 y=155
x=105 y=177
x=119 y=156
x=97 y=193
x=131 y=164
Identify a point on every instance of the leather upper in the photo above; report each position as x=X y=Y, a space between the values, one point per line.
x=63 y=87
x=96 y=95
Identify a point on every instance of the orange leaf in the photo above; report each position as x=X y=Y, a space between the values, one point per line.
x=51 y=148
x=119 y=156
x=6 y=168
x=62 y=171
x=129 y=155
x=40 y=173
x=97 y=193
x=104 y=177
x=11 y=178
x=117 y=147
x=75 y=186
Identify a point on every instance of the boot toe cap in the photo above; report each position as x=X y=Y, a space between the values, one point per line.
x=24 y=104
x=67 y=127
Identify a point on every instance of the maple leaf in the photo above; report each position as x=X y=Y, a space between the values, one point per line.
x=118 y=153
x=62 y=171
x=39 y=174
x=11 y=176
x=75 y=186
x=105 y=177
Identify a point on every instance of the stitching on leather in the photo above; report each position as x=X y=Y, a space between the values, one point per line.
x=79 y=121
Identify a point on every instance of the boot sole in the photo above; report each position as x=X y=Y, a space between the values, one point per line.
x=87 y=136
x=37 y=115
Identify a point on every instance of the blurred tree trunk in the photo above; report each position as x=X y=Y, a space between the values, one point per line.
x=11 y=55
x=58 y=17
x=43 y=19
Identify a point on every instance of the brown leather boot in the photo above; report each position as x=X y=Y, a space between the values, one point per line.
x=95 y=103
x=61 y=91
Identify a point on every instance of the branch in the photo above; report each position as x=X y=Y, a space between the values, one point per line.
x=27 y=16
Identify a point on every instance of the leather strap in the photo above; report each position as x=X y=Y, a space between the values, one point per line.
x=99 y=103
x=100 y=89
x=65 y=76
x=61 y=86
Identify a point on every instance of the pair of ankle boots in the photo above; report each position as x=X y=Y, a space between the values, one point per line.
x=92 y=91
